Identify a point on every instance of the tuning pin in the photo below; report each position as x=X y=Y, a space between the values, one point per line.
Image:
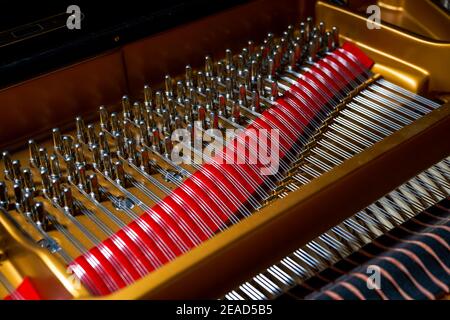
x=9 y=172
x=91 y=136
x=18 y=195
x=131 y=148
x=242 y=95
x=106 y=160
x=104 y=118
x=209 y=65
x=97 y=163
x=297 y=52
x=115 y=127
x=126 y=108
x=79 y=154
x=328 y=42
x=158 y=101
x=120 y=173
x=45 y=178
x=57 y=140
x=201 y=82
x=274 y=90
x=223 y=106
x=171 y=107
x=17 y=171
x=148 y=96
x=180 y=92
x=166 y=121
x=236 y=113
x=229 y=88
x=322 y=29
x=312 y=50
x=67 y=147
x=145 y=161
x=71 y=170
x=178 y=123
x=4 y=199
x=81 y=177
x=56 y=190
x=94 y=187
x=309 y=25
x=81 y=130
x=149 y=118
x=187 y=110
x=189 y=77
x=68 y=201
x=137 y=115
x=43 y=158
x=169 y=86
x=144 y=134
x=220 y=71
x=120 y=145
x=167 y=147
x=34 y=154
x=256 y=102
x=156 y=140
x=335 y=34
x=54 y=166
x=228 y=59
x=292 y=60
x=270 y=69
x=27 y=203
x=102 y=142
x=40 y=216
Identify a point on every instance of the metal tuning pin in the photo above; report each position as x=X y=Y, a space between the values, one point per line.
x=242 y=95
x=214 y=120
x=57 y=140
x=91 y=136
x=312 y=50
x=167 y=147
x=201 y=82
x=54 y=166
x=171 y=107
x=17 y=170
x=228 y=59
x=72 y=174
x=115 y=126
x=180 y=92
x=126 y=108
x=34 y=154
x=18 y=195
x=335 y=34
x=97 y=163
x=189 y=77
x=220 y=71
x=309 y=25
x=201 y=116
x=28 y=180
x=145 y=160
x=223 y=111
x=256 y=101
x=67 y=147
x=56 y=190
x=229 y=88
x=148 y=96
x=81 y=130
x=94 y=187
x=106 y=161
x=68 y=202
x=82 y=181
x=120 y=173
x=149 y=118
x=158 y=102
x=4 y=199
x=27 y=203
x=132 y=154
x=102 y=142
x=188 y=116
x=137 y=114
x=292 y=60
x=8 y=165
x=169 y=86
x=43 y=158
x=120 y=145
x=144 y=133
x=40 y=216
x=236 y=113
x=104 y=118
x=328 y=42
x=270 y=69
x=79 y=154
x=209 y=67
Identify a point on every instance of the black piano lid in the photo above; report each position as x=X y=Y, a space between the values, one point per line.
x=34 y=38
